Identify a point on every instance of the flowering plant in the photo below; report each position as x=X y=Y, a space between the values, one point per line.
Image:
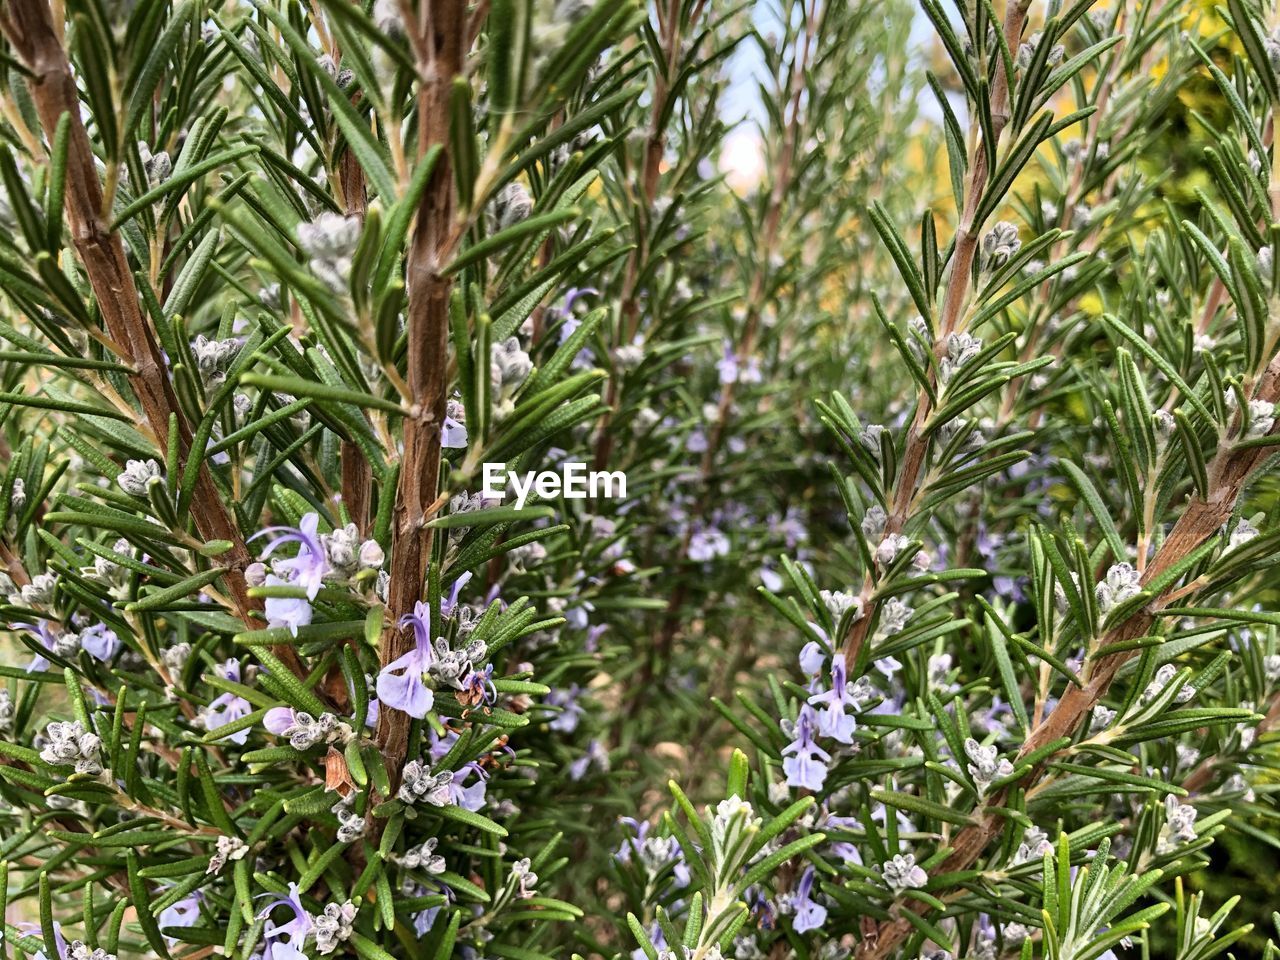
x=977 y=659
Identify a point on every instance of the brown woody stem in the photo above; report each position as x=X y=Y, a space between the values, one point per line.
x=441 y=46
x=957 y=291
x=32 y=33
x=1202 y=519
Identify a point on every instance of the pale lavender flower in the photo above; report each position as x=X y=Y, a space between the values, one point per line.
x=566 y=312
x=43 y=631
x=804 y=762
x=291 y=612
x=809 y=915
x=707 y=543
x=184 y=913
x=570 y=712
x=305 y=731
x=596 y=756
x=812 y=657
x=727 y=365
x=425 y=919
x=846 y=851
x=634 y=844
x=100 y=642
x=228 y=707
x=453 y=433
x=283 y=941
x=468 y=798
x=402 y=682
x=477 y=687
x=311 y=565
x=832 y=720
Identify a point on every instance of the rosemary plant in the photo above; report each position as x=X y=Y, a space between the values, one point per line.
x=427 y=445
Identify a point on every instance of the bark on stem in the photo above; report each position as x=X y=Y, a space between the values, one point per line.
x=442 y=46
x=357 y=475
x=1203 y=518
x=953 y=302
x=32 y=33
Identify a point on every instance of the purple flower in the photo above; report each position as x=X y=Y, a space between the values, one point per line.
x=631 y=844
x=809 y=915
x=59 y=944
x=309 y=568
x=833 y=721
x=283 y=941
x=657 y=938
x=438 y=746
x=707 y=543
x=453 y=432
x=842 y=848
x=423 y=920
x=44 y=634
x=401 y=683
x=228 y=707
x=477 y=688
x=579 y=617
x=100 y=641
x=472 y=797
x=565 y=310
x=278 y=720
x=184 y=913
x=790 y=526
x=812 y=657
x=596 y=755
x=761 y=908
x=805 y=763
x=448 y=604
x=727 y=365
x=291 y=612
x=770 y=578
x=570 y=710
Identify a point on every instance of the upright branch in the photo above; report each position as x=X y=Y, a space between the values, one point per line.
x=1202 y=519
x=666 y=73
x=440 y=46
x=29 y=27
x=955 y=296
x=357 y=474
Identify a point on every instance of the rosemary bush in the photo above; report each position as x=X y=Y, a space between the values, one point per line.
x=935 y=618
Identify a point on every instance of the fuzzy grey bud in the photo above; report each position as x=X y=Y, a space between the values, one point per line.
x=137 y=477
